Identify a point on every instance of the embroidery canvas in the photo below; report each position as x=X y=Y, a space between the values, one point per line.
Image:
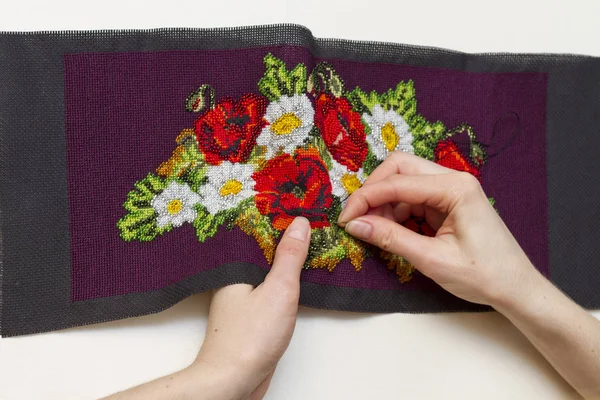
x=299 y=148
x=140 y=167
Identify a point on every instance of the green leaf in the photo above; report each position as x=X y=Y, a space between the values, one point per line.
x=368 y=130
x=316 y=140
x=326 y=249
x=140 y=222
x=277 y=81
x=363 y=102
x=141 y=226
x=257 y=153
x=148 y=187
x=269 y=88
x=334 y=211
x=401 y=99
x=322 y=239
x=207 y=224
x=136 y=201
x=195 y=177
x=426 y=136
x=328 y=259
x=298 y=79
x=143 y=193
x=371 y=162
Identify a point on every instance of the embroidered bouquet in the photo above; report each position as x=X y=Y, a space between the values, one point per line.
x=298 y=149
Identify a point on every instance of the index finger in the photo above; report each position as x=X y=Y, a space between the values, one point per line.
x=436 y=191
x=400 y=162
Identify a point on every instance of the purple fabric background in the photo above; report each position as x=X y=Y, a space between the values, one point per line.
x=124 y=110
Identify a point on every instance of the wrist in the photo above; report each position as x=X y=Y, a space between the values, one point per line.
x=222 y=380
x=524 y=292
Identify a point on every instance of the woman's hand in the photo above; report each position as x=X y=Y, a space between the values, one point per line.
x=249 y=328
x=248 y=331
x=473 y=255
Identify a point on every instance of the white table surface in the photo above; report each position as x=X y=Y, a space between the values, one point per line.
x=333 y=355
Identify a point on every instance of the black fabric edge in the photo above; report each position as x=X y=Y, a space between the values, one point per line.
x=187 y=32
x=311 y=295
x=51 y=308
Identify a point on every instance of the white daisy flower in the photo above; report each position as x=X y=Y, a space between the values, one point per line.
x=389 y=132
x=228 y=184
x=290 y=120
x=344 y=182
x=175 y=205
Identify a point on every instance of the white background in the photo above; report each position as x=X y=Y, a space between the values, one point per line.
x=333 y=355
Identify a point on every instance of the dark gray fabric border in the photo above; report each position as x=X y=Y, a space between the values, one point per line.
x=34 y=239
x=135 y=304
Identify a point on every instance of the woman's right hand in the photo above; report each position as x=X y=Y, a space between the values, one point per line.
x=473 y=255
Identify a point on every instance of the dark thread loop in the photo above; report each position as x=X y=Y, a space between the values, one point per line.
x=510 y=141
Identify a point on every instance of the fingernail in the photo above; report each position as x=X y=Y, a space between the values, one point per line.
x=298 y=229
x=340 y=220
x=359 y=229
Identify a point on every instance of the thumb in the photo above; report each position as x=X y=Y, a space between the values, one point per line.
x=291 y=253
x=392 y=237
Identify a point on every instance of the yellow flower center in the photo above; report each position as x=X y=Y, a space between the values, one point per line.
x=286 y=124
x=350 y=182
x=231 y=187
x=389 y=136
x=174 y=206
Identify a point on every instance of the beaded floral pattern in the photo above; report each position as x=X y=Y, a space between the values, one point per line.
x=299 y=148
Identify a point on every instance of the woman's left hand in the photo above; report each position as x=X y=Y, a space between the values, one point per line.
x=249 y=328
x=248 y=331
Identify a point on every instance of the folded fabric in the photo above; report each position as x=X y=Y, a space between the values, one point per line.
x=140 y=167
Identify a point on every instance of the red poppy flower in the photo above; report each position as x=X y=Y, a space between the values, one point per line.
x=448 y=155
x=342 y=131
x=228 y=131
x=289 y=187
x=419 y=225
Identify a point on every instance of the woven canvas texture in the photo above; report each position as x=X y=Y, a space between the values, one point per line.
x=172 y=189
x=160 y=164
